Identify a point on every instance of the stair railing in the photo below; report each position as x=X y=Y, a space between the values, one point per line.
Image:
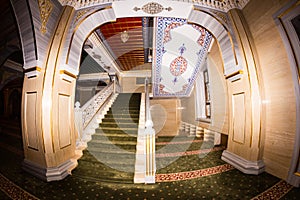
x=85 y=114
x=149 y=140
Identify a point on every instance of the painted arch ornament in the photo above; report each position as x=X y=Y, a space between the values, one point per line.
x=180 y=51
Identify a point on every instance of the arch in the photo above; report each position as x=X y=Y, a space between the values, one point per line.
x=228 y=49
x=24 y=20
x=83 y=30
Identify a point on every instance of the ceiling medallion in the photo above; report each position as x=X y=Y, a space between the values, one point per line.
x=152 y=8
x=179 y=65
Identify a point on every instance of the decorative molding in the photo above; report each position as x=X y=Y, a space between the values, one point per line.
x=13 y=65
x=245 y=166
x=221 y=16
x=94 y=76
x=45 y=7
x=152 y=8
x=32 y=72
x=235 y=75
x=67 y=73
x=50 y=173
x=80 y=14
x=224 y=5
x=90 y=108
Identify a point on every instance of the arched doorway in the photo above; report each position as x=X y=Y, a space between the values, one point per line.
x=14 y=104
x=51 y=78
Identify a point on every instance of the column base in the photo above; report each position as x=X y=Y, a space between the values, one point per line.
x=50 y=173
x=245 y=166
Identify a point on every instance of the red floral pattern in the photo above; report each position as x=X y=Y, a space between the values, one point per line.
x=192 y=174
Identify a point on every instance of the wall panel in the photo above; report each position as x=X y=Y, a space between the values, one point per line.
x=63 y=118
x=30 y=120
x=239 y=116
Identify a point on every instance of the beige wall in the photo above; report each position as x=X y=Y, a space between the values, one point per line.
x=165 y=116
x=218 y=93
x=188 y=109
x=129 y=85
x=278 y=122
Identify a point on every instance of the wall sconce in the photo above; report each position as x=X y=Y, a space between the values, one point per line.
x=124 y=36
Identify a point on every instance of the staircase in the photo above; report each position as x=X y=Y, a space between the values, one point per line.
x=110 y=155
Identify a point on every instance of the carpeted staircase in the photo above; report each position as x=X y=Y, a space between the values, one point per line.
x=110 y=155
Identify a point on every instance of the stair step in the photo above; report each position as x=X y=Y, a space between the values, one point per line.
x=121 y=120
x=110 y=155
x=118 y=125
x=117 y=131
x=113 y=137
x=122 y=115
x=124 y=110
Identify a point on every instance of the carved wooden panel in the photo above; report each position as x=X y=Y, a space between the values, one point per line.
x=63 y=119
x=239 y=116
x=30 y=120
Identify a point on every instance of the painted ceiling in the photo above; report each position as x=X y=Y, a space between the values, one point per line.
x=180 y=51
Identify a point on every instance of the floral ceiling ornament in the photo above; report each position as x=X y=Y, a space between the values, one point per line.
x=178 y=65
x=45 y=7
x=152 y=8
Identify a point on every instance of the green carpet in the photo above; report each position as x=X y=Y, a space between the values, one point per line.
x=110 y=156
x=231 y=184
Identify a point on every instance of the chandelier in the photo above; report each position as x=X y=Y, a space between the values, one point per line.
x=124 y=36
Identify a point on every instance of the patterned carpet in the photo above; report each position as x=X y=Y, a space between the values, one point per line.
x=196 y=172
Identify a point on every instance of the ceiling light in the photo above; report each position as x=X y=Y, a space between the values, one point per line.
x=124 y=36
x=150 y=55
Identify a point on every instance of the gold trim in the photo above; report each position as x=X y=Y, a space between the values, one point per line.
x=46 y=7
x=297 y=173
x=68 y=73
x=257 y=74
x=77 y=26
x=289 y=9
x=56 y=54
x=234 y=74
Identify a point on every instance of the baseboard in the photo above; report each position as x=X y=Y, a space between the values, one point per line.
x=245 y=166
x=49 y=173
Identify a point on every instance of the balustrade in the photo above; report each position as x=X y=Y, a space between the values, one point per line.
x=85 y=114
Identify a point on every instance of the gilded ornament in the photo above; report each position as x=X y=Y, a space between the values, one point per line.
x=45 y=7
x=152 y=8
x=80 y=14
